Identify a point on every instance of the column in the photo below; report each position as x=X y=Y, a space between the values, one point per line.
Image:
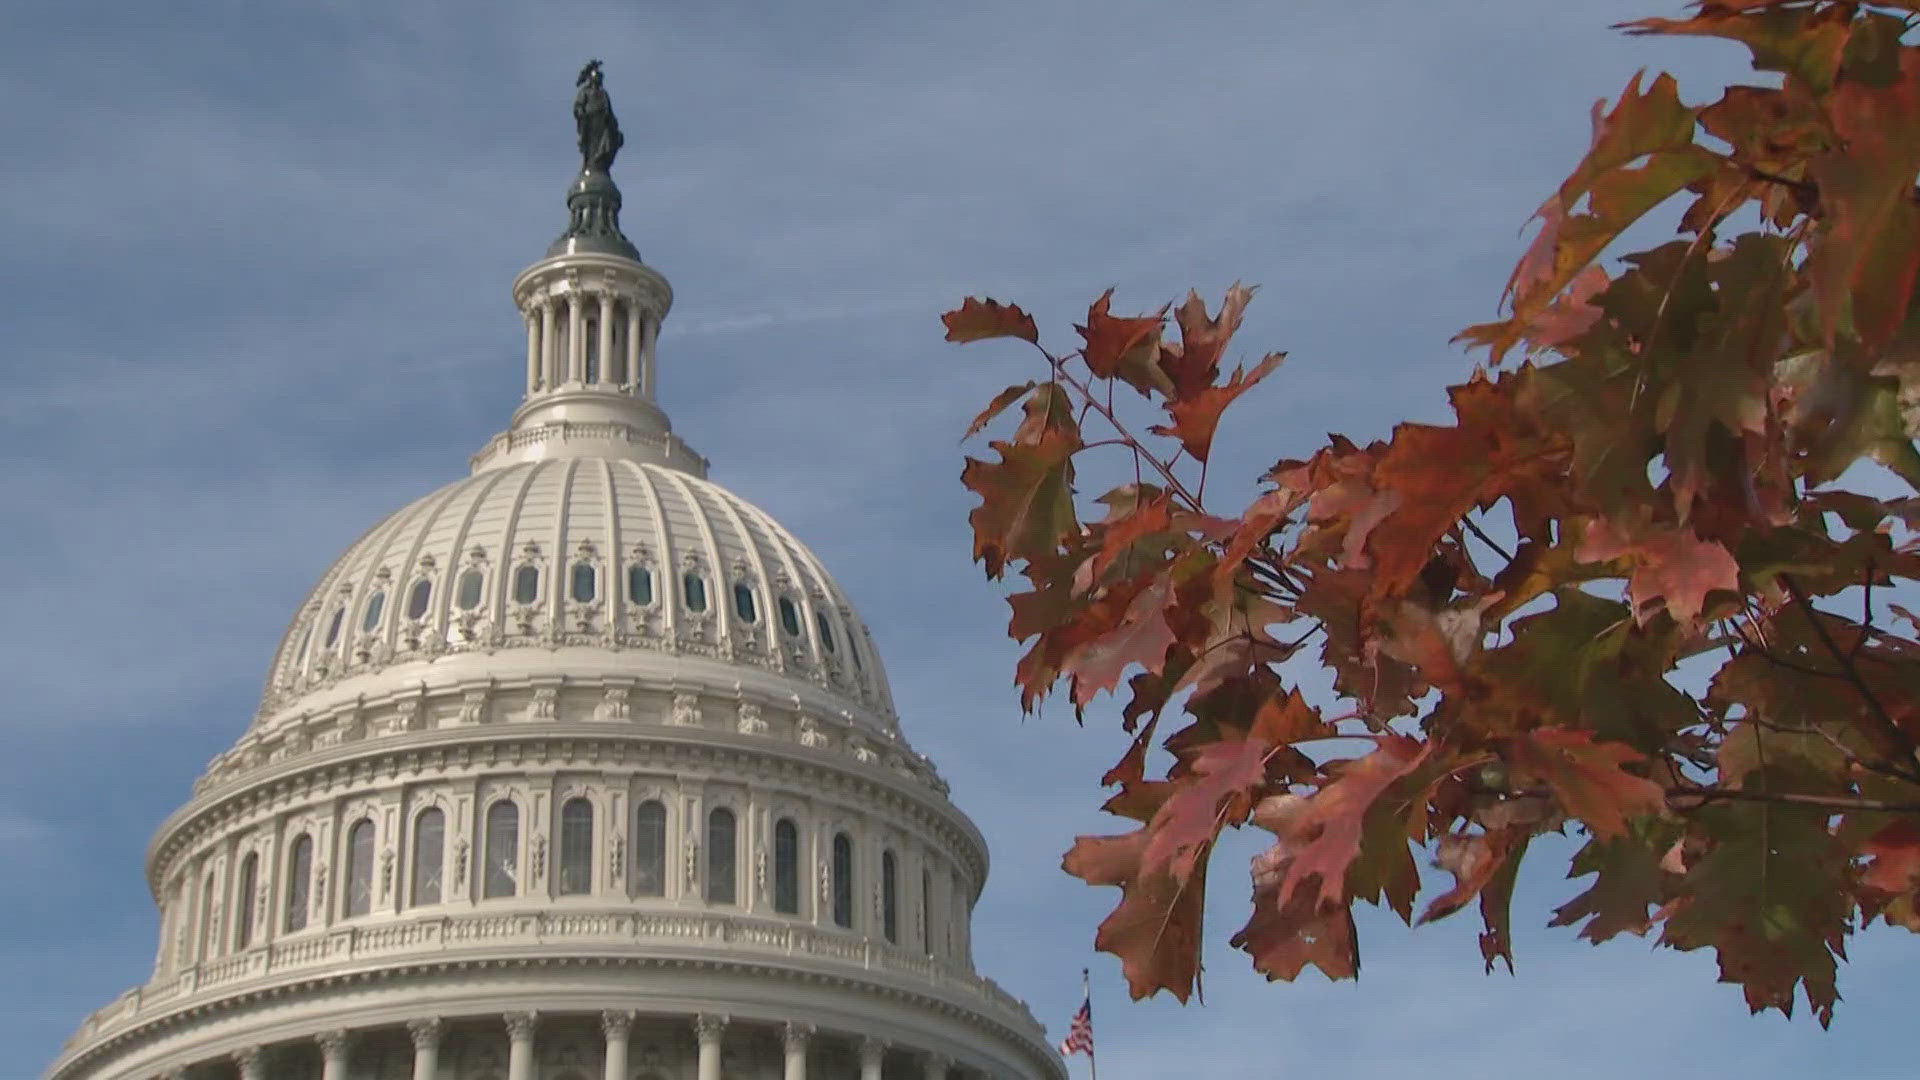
x=576 y=338
x=333 y=1054
x=251 y=1062
x=520 y=1045
x=648 y=334
x=606 y=337
x=935 y=1066
x=708 y=1027
x=796 y=1037
x=425 y=1033
x=616 y=1024
x=549 y=363
x=872 y=1052
x=533 y=352
x=633 y=345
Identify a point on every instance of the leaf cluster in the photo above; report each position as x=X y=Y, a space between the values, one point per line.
x=1655 y=472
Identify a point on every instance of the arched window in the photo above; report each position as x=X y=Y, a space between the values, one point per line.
x=333 y=627
x=743 y=602
x=585 y=583
x=789 y=616
x=526 y=584
x=926 y=910
x=842 y=880
x=300 y=654
x=889 y=897
x=650 y=849
x=826 y=630
x=590 y=326
x=693 y=591
x=375 y=603
x=299 y=880
x=359 y=885
x=786 y=867
x=501 y=873
x=720 y=862
x=243 y=900
x=576 y=847
x=417 y=598
x=853 y=650
x=429 y=856
x=468 y=594
x=639 y=586
x=209 y=892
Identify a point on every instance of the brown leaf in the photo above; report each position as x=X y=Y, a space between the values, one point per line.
x=1586 y=777
x=1197 y=415
x=1327 y=836
x=978 y=320
x=999 y=403
x=1155 y=930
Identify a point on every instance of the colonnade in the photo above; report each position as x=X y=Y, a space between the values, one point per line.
x=557 y=353
x=522 y=1029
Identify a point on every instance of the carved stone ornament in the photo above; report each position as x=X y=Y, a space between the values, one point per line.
x=425 y=1032
x=386 y=873
x=334 y=1043
x=616 y=1023
x=614 y=705
x=520 y=1025
x=473 y=707
x=872 y=1050
x=826 y=881
x=616 y=857
x=865 y=755
x=795 y=1036
x=539 y=858
x=251 y=1062
x=545 y=704
x=760 y=870
x=810 y=733
x=751 y=722
x=320 y=890
x=686 y=710
x=708 y=1027
x=460 y=861
x=693 y=860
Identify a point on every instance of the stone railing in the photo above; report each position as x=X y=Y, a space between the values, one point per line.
x=616 y=933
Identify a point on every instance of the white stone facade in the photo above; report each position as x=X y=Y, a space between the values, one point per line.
x=580 y=767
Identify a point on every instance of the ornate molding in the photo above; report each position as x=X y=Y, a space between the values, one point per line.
x=616 y=1024
x=520 y=1025
x=708 y=1027
x=334 y=1044
x=795 y=1036
x=425 y=1032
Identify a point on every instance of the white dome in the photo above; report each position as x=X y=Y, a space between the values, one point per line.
x=586 y=566
x=577 y=764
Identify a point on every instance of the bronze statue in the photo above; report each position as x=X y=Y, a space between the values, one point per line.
x=600 y=137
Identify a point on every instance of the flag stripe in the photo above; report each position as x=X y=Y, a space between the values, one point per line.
x=1079 y=1038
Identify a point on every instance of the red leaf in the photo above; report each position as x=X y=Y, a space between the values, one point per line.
x=1327 y=830
x=1141 y=638
x=1192 y=363
x=1155 y=930
x=1586 y=778
x=1196 y=415
x=1672 y=568
x=1118 y=346
x=978 y=320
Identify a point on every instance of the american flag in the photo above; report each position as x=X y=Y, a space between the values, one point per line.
x=1079 y=1038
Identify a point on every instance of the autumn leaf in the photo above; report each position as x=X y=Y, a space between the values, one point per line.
x=995 y=407
x=1196 y=415
x=1327 y=833
x=1124 y=348
x=1155 y=930
x=1672 y=569
x=1586 y=778
x=1026 y=499
x=978 y=320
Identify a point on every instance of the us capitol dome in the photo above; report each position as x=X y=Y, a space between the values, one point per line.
x=579 y=767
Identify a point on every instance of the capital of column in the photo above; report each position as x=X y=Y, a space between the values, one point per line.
x=251 y=1062
x=796 y=1035
x=520 y=1025
x=333 y=1043
x=425 y=1031
x=616 y=1023
x=708 y=1026
x=872 y=1050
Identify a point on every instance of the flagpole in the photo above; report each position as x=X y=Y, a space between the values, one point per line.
x=1086 y=995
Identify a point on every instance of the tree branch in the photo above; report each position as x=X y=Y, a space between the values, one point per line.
x=1903 y=745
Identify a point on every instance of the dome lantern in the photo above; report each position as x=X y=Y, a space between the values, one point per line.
x=592 y=311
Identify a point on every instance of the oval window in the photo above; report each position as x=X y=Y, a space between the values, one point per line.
x=789 y=616
x=417 y=599
x=469 y=595
x=693 y=590
x=743 y=604
x=826 y=630
x=526 y=584
x=639 y=585
x=374 y=603
x=583 y=584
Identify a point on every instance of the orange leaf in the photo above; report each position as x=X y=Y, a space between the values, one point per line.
x=1141 y=637
x=1327 y=830
x=978 y=320
x=1155 y=930
x=1026 y=499
x=1116 y=346
x=1672 y=567
x=1203 y=338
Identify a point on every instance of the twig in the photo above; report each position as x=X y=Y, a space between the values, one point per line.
x=1888 y=729
x=1475 y=530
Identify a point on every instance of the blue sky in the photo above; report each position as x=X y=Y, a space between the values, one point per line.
x=257 y=260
